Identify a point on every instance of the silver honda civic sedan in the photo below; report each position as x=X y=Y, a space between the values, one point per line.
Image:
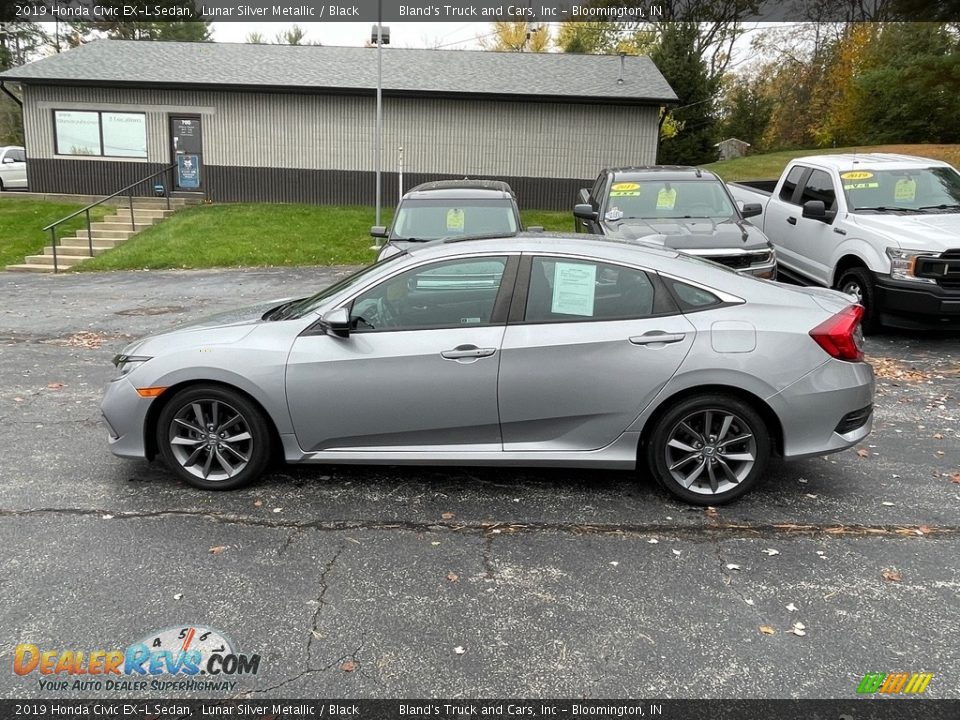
x=536 y=351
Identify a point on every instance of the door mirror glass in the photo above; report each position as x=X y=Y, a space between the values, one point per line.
x=752 y=210
x=8 y=159
x=337 y=322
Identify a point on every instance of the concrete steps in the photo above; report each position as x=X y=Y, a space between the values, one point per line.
x=105 y=234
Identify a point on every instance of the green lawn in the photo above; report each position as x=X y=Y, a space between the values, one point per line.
x=769 y=166
x=22 y=220
x=251 y=235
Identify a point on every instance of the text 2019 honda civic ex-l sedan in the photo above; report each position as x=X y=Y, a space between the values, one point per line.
x=538 y=351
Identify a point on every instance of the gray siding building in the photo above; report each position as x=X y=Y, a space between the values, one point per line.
x=297 y=124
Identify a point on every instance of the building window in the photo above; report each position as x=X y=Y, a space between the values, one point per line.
x=101 y=134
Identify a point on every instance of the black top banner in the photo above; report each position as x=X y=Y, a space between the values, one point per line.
x=628 y=11
x=264 y=709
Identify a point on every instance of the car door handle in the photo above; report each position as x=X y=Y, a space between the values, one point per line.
x=467 y=352
x=657 y=336
x=792 y=220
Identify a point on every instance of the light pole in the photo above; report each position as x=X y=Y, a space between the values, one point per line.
x=380 y=38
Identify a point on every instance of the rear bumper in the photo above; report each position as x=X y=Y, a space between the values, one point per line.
x=815 y=412
x=908 y=305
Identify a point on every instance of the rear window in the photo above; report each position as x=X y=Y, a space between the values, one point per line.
x=790 y=183
x=443 y=218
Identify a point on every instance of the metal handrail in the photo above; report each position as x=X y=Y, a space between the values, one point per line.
x=52 y=227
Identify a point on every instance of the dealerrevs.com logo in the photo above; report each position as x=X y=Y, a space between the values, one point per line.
x=190 y=658
x=894 y=683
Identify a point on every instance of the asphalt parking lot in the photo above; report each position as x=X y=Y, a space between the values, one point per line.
x=458 y=582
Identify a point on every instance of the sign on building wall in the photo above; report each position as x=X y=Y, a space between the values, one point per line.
x=188 y=171
x=108 y=134
x=124 y=134
x=77 y=133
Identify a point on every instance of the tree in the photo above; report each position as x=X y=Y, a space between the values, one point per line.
x=745 y=110
x=20 y=42
x=687 y=73
x=517 y=37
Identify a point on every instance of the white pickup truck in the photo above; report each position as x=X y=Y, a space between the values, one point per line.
x=884 y=228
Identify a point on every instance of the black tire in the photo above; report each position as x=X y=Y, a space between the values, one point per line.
x=859 y=282
x=205 y=450
x=724 y=472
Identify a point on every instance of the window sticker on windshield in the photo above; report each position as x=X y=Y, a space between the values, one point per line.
x=624 y=193
x=625 y=187
x=666 y=198
x=614 y=213
x=905 y=190
x=455 y=220
x=856 y=175
x=861 y=186
x=574 y=286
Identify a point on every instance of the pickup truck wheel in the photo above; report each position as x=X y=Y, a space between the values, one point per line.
x=859 y=283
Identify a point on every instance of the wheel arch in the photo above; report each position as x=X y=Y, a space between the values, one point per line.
x=156 y=407
x=766 y=412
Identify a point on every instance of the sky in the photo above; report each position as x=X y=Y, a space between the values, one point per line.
x=461 y=36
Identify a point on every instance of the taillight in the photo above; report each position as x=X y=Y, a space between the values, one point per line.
x=840 y=336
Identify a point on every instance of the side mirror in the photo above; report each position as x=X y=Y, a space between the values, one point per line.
x=815 y=210
x=535 y=228
x=584 y=211
x=750 y=210
x=378 y=231
x=337 y=322
x=8 y=159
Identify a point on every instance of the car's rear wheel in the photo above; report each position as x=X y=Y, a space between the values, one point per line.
x=709 y=450
x=213 y=438
x=859 y=283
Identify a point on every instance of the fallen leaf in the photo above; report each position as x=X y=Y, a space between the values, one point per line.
x=802 y=480
x=448 y=515
x=799 y=632
x=733 y=566
x=653 y=541
x=771 y=552
x=349 y=666
x=955 y=478
x=614 y=563
x=278 y=510
x=435 y=542
x=891 y=575
x=18 y=399
x=887 y=503
x=711 y=512
x=748 y=601
x=55 y=385
x=106 y=517
x=257 y=503
x=767 y=630
x=938 y=436
x=459 y=650
x=924 y=530
x=676 y=552
x=178 y=596
x=812 y=496
x=792 y=608
x=217 y=549
x=863 y=452
x=452 y=576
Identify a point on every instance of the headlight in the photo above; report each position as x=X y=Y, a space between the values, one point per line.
x=127 y=363
x=902 y=264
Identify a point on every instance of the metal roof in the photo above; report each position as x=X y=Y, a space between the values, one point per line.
x=558 y=76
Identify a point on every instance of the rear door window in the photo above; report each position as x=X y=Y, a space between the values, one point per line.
x=790 y=183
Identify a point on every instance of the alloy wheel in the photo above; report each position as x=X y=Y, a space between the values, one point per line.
x=710 y=451
x=211 y=439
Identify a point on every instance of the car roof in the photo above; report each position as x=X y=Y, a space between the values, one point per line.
x=888 y=161
x=464 y=188
x=660 y=172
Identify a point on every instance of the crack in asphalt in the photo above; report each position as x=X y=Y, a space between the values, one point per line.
x=490 y=529
x=320 y=601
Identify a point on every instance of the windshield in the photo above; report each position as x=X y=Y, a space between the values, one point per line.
x=659 y=200
x=309 y=304
x=934 y=189
x=424 y=220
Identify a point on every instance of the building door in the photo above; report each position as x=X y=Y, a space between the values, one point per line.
x=186 y=150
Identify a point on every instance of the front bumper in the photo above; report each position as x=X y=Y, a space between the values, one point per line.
x=816 y=410
x=125 y=413
x=913 y=305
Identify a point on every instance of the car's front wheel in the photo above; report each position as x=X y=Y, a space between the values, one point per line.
x=709 y=450
x=213 y=437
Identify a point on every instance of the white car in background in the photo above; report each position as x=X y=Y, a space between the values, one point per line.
x=13 y=167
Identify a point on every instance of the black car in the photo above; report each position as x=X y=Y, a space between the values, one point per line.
x=451 y=208
x=683 y=208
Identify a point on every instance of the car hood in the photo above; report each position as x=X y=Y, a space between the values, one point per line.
x=688 y=234
x=936 y=231
x=222 y=328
